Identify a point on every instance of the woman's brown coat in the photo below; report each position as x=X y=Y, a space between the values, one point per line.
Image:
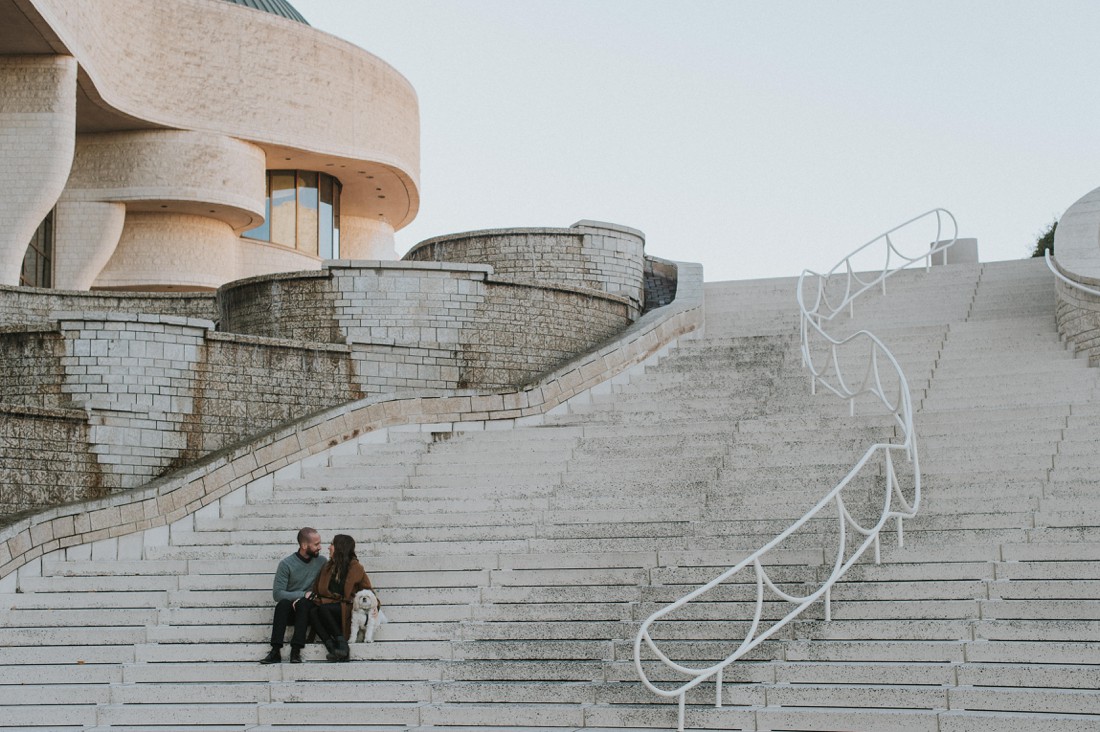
x=356 y=580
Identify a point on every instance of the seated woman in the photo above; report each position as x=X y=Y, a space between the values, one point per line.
x=334 y=590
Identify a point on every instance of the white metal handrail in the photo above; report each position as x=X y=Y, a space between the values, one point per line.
x=1072 y=283
x=833 y=375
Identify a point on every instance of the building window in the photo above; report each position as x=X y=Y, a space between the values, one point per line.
x=301 y=211
x=38 y=261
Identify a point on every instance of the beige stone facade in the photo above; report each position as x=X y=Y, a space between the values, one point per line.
x=37 y=133
x=83 y=85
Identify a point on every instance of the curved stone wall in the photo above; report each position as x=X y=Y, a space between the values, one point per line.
x=467 y=328
x=27 y=308
x=588 y=255
x=294 y=306
x=1077 y=252
x=175 y=170
x=308 y=98
x=175 y=497
x=169 y=251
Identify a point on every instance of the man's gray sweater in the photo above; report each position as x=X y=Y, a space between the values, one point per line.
x=294 y=576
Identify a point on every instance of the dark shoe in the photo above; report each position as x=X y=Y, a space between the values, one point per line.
x=273 y=657
x=330 y=645
x=342 y=651
x=295 y=655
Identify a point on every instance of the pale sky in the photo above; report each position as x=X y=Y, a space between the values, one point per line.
x=757 y=138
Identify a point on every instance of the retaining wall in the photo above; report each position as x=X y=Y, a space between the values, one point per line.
x=160 y=391
x=428 y=325
x=1078 y=316
x=24 y=306
x=175 y=497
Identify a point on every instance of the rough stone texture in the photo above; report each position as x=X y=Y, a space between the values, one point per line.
x=161 y=391
x=587 y=255
x=660 y=282
x=1078 y=315
x=421 y=325
x=246 y=386
x=172 y=498
x=21 y=306
x=31 y=364
x=296 y=306
x=523 y=331
x=58 y=470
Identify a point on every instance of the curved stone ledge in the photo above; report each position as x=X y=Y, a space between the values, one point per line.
x=589 y=255
x=164 y=501
x=500 y=331
x=1078 y=317
x=1077 y=250
x=22 y=307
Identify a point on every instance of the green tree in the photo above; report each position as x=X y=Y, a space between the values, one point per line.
x=1045 y=242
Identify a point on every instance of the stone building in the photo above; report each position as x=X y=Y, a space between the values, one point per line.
x=197 y=245
x=207 y=141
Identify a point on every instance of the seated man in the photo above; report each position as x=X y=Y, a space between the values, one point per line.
x=293 y=596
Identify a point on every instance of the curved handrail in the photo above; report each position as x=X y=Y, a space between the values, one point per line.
x=837 y=379
x=1051 y=265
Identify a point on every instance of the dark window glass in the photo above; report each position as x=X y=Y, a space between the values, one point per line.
x=301 y=210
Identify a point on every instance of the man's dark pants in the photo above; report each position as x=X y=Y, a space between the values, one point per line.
x=285 y=614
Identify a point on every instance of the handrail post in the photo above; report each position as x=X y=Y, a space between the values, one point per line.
x=718 y=688
x=680 y=715
x=828 y=604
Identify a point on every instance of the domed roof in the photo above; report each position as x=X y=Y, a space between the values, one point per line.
x=281 y=8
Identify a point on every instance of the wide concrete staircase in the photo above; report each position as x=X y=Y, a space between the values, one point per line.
x=516 y=565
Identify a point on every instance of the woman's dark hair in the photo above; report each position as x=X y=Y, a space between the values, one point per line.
x=343 y=552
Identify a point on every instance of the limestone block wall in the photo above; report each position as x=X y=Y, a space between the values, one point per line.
x=422 y=324
x=173 y=498
x=155 y=391
x=660 y=282
x=225 y=69
x=1077 y=251
x=37 y=130
x=170 y=250
x=24 y=307
x=246 y=385
x=1078 y=316
x=588 y=255
x=294 y=306
x=30 y=361
x=150 y=393
x=523 y=331
x=135 y=375
x=59 y=469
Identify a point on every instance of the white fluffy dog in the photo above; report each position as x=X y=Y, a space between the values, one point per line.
x=365 y=616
